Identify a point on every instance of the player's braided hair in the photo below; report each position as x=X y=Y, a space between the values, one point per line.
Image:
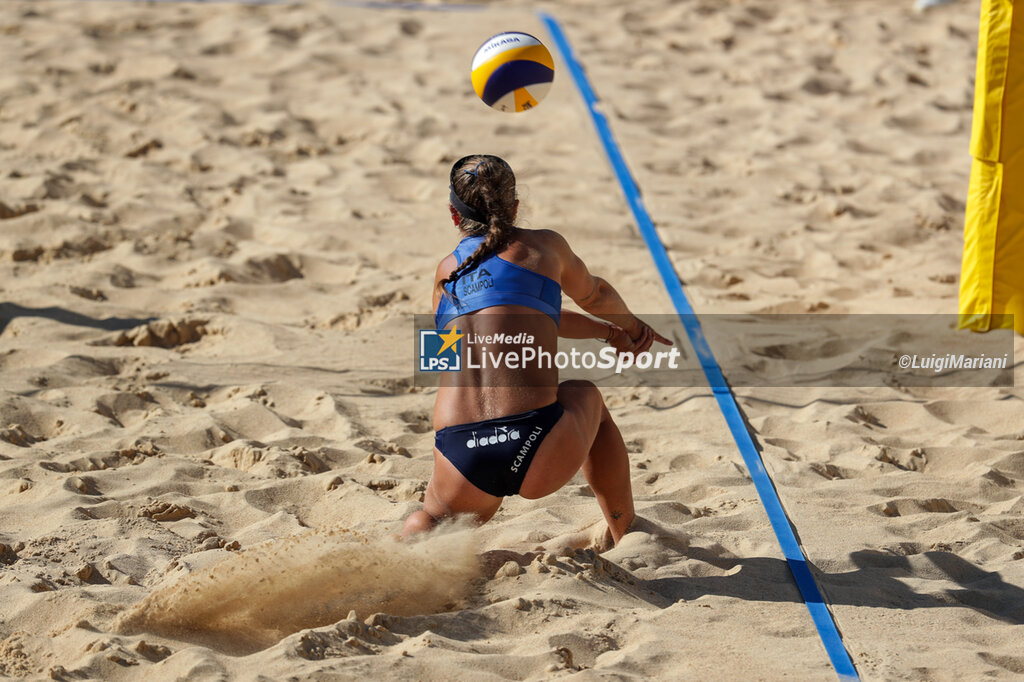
x=485 y=186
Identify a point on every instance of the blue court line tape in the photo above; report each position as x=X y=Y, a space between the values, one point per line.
x=780 y=523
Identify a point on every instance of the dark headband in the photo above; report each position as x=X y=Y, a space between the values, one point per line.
x=465 y=210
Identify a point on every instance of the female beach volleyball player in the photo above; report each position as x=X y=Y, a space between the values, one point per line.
x=502 y=278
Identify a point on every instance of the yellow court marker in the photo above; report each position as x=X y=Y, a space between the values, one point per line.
x=992 y=270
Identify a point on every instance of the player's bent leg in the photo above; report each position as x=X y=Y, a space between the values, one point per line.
x=450 y=494
x=567 y=445
x=607 y=472
x=585 y=437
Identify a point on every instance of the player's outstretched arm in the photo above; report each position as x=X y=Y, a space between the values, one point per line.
x=598 y=297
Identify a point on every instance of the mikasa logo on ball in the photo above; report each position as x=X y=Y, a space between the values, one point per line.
x=503 y=40
x=512 y=72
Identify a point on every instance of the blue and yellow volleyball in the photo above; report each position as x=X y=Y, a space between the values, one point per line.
x=512 y=72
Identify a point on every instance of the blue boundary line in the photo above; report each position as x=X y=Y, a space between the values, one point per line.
x=822 y=617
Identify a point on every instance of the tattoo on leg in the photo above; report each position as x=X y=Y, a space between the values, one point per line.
x=616 y=515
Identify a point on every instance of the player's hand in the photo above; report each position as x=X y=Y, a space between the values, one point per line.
x=642 y=336
x=619 y=339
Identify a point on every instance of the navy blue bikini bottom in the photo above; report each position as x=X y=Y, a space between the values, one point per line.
x=494 y=454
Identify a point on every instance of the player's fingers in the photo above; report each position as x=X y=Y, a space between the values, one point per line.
x=645 y=341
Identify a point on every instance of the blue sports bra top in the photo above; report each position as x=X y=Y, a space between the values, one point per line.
x=497 y=282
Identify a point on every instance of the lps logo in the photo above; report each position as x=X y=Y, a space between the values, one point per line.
x=440 y=351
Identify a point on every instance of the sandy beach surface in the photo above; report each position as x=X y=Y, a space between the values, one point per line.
x=216 y=223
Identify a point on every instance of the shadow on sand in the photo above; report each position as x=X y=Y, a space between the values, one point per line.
x=874 y=583
x=9 y=311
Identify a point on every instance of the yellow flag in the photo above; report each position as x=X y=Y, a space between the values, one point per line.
x=992 y=273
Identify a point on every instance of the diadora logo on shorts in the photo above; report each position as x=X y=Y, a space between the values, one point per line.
x=440 y=351
x=502 y=434
x=505 y=434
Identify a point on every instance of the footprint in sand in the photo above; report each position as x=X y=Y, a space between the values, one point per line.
x=84 y=485
x=167 y=333
x=909 y=506
x=417 y=422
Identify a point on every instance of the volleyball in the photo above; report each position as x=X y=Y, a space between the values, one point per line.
x=512 y=72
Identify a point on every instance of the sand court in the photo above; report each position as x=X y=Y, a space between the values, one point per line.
x=218 y=221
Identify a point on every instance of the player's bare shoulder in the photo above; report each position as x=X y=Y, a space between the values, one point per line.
x=550 y=242
x=445 y=267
